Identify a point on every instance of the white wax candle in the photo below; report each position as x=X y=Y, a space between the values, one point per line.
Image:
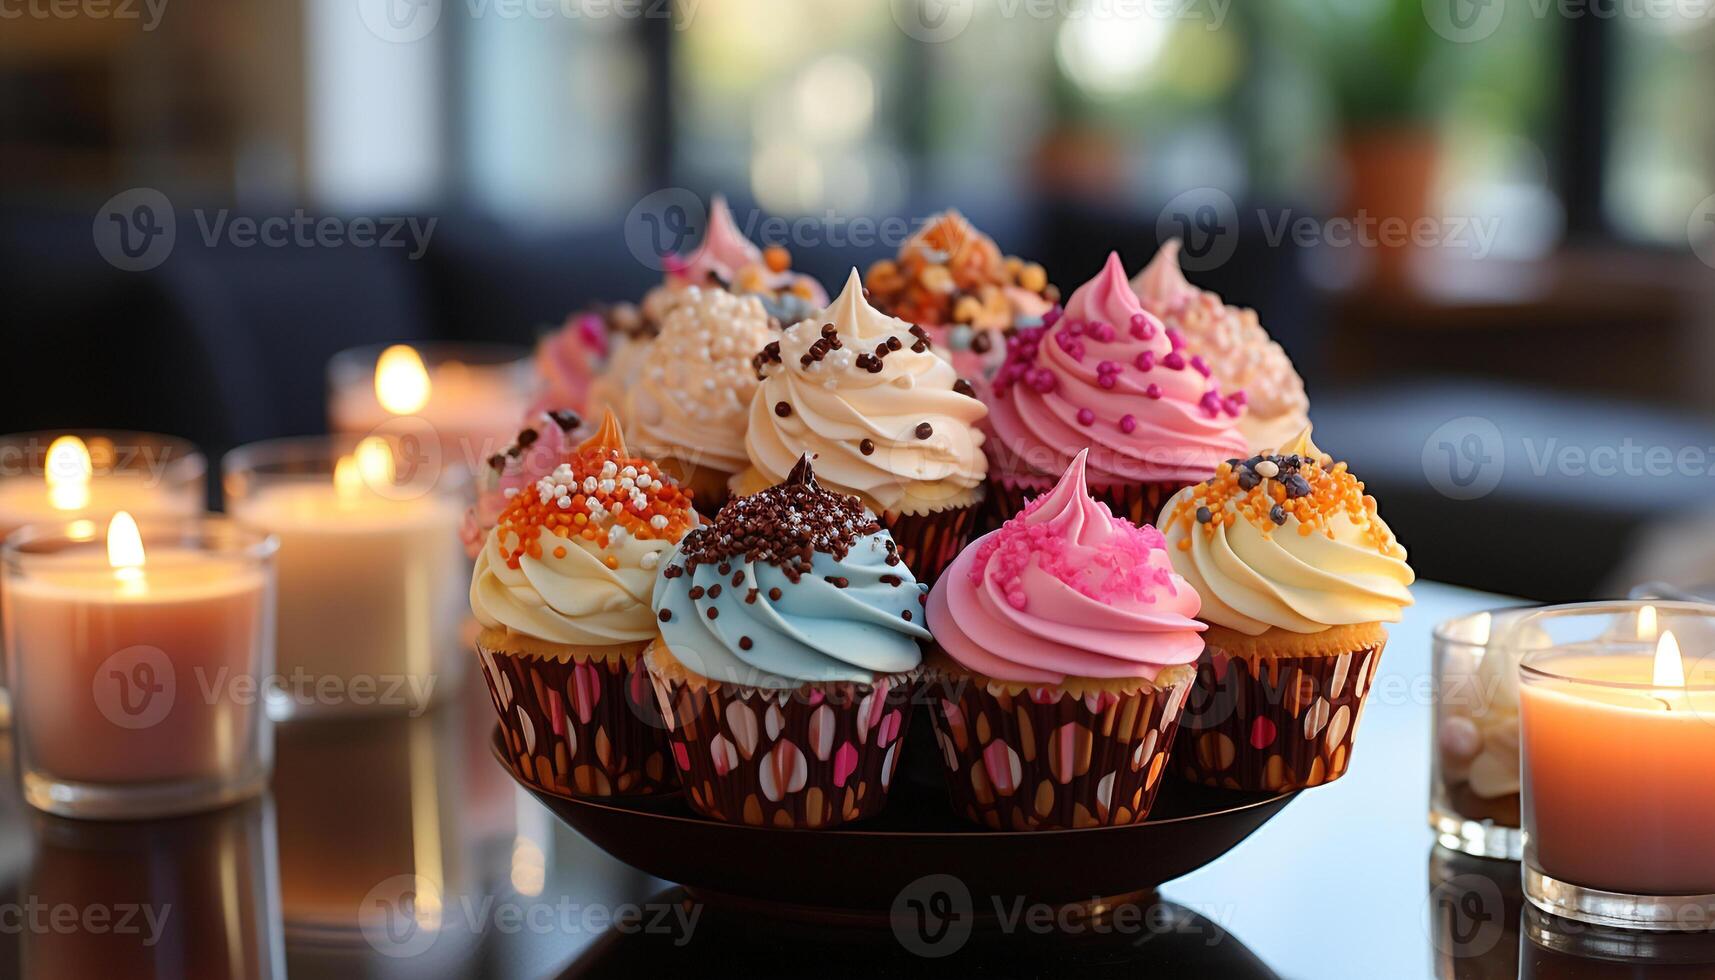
x=370 y=587
x=474 y=409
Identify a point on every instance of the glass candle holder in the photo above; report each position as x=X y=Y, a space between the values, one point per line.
x=55 y=477
x=138 y=661
x=373 y=577
x=1474 y=762
x=1617 y=738
x=464 y=401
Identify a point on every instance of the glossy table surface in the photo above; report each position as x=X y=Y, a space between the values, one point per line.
x=307 y=882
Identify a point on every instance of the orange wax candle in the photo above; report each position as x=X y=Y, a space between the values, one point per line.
x=1619 y=770
x=140 y=667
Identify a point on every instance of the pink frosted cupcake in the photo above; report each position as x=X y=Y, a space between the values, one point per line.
x=1066 y=649
x=1235 y=346
x=542 y=444
x=1108 y=377
x=727 y=259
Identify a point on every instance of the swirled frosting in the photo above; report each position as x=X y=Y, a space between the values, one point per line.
x=692 y=396
x=540 y=447
x=1107 y=376
x=863 y=394
x=574 y=556
x=1288 y=541
x=1234 y=344
x=1066 y=589
x=727 y=259
x=793 y=585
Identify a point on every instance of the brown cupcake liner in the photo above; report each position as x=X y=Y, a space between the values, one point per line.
x=1274 y=723
x=1049 y=760
x=928 y=543
x=580 y=727
x=1139 y=503
x=812 y=757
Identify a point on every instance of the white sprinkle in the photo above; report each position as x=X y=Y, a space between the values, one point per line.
x=565 y=503
x=650 y=559
x=1267 y=469
x=658 y=522
x=509 y=492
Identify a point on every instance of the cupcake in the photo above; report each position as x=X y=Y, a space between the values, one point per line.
x=1298 y=573
x=727 y=259
x=690 y=404
x=541 y=445
x=1065 y=646
x=952 y=280
x=787 y=657
x=1234 y=345
x=561 y=591
x=1106 y=376
x=885 y=419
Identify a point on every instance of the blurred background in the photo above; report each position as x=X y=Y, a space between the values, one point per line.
x=1484 y=229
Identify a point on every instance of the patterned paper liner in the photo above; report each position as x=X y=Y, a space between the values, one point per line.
x=928 y=543
x=811 y=757
x=1045 y=759
x=1274 y=723
x=580 y=727
x=1139 y=503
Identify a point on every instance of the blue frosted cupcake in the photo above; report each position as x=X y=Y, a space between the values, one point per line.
x=787 y=657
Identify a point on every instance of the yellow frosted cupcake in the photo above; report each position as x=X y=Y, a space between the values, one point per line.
x=1297 y=573
x=562 y=589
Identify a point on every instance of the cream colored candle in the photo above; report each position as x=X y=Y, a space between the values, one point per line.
x=371 y=584
x=140 y=670
x=64 y=482
x=472 y=407
x=1619 y=770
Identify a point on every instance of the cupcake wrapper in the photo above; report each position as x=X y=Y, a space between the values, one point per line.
x=580 y=727
x=1274 y=723
x=929 y=542
x=1045 y=759
x=1139 y=503
x=808 y=758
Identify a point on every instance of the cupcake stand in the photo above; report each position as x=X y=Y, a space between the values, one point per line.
x=860 y=874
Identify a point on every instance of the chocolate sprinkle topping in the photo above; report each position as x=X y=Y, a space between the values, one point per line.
x=567 y=421
x=925 y=430
x=498 y=461
x=714 y=611
x=774 y=594
x=782 y=409
x=666 y=614
x=696 y=592
x=784 y=526
x=527 y=437
x=744 y=643
x=867 y=447
x=907 y=614
x=963 y=387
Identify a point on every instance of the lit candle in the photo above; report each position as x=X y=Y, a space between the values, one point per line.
x=469 y=400
x=139 y=670
x=1619 y=766
x=371 y=572
x=49 y=479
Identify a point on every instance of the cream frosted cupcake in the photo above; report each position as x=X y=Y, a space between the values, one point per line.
x=883 y=417
x=1297 y=572
x=562 y=589
x=787 y=657
x=1104 y=375
x=953 y=281
x=690 y=404
x=1067 y=645
x=1235 y=346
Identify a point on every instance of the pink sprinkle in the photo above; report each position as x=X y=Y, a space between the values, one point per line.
x=1202 y=368
x=1051 y=317
x=1105 y=380
x=1108 y=367
x=1102 y=332
x=1086 y=417
x=1210 y=402
x=1074 y=327
x=1238 y=397
x=1146 y=360
x=1175 y=360
x=1175 y=338
x=1128 y=424
x=1153 y=391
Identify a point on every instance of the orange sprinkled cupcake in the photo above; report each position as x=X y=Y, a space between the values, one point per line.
x=562 y=588
x=1297 y=573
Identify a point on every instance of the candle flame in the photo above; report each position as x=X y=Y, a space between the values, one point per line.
x=1669 y=672
x=369 y=467
x=401 y=382
x=68 y=471
x=1646 y=623
x=125 y=550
